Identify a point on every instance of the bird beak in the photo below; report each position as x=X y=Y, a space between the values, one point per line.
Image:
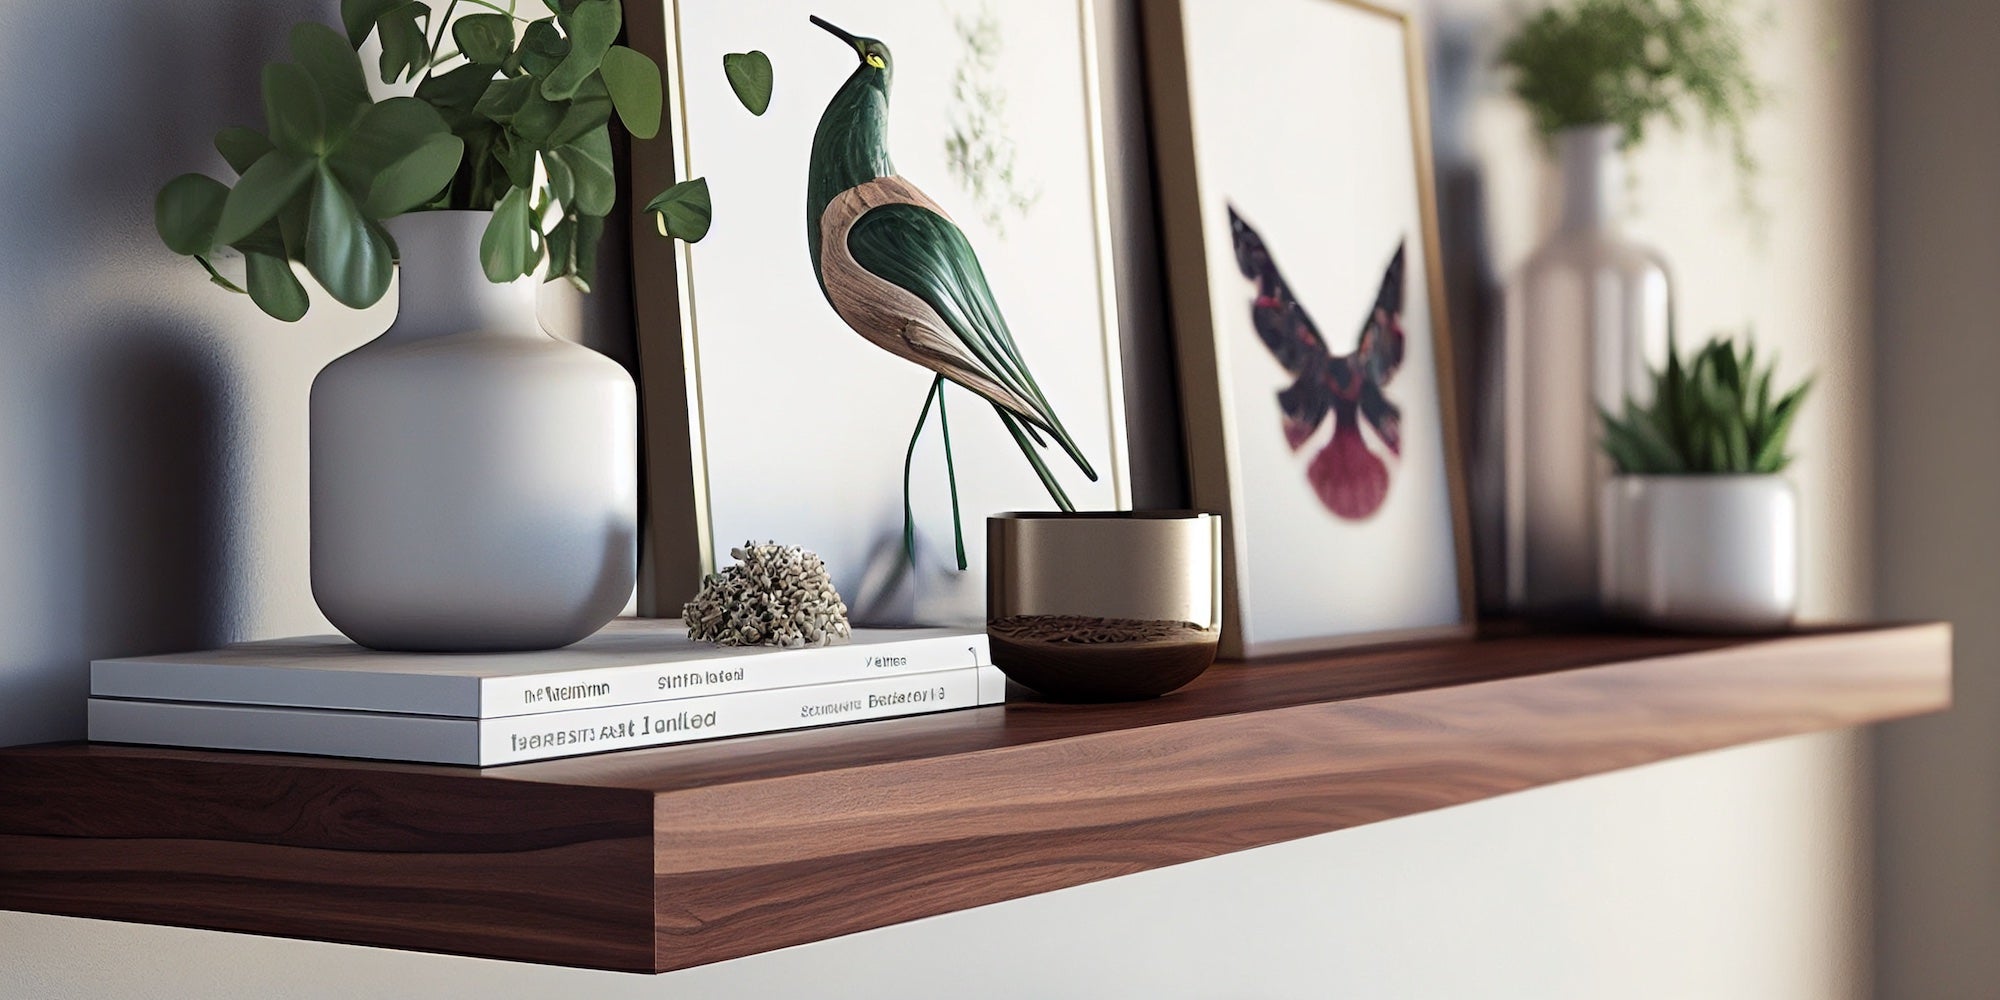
x=838 y=33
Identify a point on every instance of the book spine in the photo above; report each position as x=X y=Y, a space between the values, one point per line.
x=635 y=685
x=564 y=734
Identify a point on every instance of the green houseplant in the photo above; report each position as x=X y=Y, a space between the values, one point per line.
x=1629 y=63
x=473 y=479
x=1715 y=415
x=509 y=116
x=1699 y=528
x=1592 y=306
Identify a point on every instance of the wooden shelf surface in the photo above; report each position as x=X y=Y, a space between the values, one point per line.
x=653 y=860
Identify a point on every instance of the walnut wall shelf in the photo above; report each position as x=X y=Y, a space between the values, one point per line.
x=653 y=860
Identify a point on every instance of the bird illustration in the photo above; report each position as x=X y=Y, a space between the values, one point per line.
x=897 y=269
x=1350 y=479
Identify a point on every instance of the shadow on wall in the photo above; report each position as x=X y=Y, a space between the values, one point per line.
x=118 y=388
x=156 y=558
x=1460 y=65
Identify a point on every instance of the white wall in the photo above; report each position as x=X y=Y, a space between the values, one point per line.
x=152 y=496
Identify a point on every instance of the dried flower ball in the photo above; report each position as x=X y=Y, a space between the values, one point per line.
x=775 y=595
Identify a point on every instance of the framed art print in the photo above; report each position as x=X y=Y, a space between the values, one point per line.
x=907 y=280
x=1310 y=324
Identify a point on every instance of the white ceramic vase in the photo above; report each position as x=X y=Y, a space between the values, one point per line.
x=474 y=480
x=1586 y=315
x=1701 y=552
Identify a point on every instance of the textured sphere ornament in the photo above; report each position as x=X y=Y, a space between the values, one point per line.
x=775 y=595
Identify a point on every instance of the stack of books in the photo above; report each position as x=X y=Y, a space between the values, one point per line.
x=638 y=683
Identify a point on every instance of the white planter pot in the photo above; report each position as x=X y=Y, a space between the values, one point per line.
x=1703 y=552
x=474 y=480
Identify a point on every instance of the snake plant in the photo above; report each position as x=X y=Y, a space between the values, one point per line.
x=1717 y=414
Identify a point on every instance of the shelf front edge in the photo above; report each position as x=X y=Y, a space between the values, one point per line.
x=748 y=868
x=628 y=863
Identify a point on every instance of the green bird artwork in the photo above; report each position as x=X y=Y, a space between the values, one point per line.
x=898 y=271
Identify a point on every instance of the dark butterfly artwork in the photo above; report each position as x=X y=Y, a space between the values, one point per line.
x=1348 y=476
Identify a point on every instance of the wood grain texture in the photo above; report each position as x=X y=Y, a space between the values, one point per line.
x=892 y=317
x=663 y=859
x=277 y=845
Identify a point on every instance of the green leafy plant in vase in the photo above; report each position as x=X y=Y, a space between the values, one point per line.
x=1591 y=307
x=1630 y=63
x=1699 y=528
x=473 y=479
x=509 y=115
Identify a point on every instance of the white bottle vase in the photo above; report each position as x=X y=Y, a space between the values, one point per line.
x=1701 y=552
x=474 y=480
x=1589 y=311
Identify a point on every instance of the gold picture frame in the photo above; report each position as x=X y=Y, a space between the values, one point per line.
x=678 y=544
x=1216 y=468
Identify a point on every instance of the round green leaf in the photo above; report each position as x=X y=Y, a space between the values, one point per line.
x=593 y=26
x=561 y=243
x=634 y=82
x=562 y=184
x=293 y=110
x=683 y=211
x=405 y=50
x=415 y=179
x=399 y=124
x=516 y=157
x=241 y=147
x=359 y=17
x=334 y=68
x=487 y=39
x=346 y=254
x=590 y=108
x=589 y=233
x=749 y=76
x=274 y=287
x=542 y=48
x=396 y=150
x=262 y=192
x=455 y=91
x=506 y=249
x=591 y=169
x=186 y=212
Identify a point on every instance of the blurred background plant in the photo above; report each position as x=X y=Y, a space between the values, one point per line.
x=1630 y=62
x=1717 y=415
x=978 y=150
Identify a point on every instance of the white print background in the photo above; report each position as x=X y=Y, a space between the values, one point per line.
x=806 y=422
x=1301 y=119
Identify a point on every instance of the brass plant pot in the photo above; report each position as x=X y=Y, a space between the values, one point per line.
x=1116 y=606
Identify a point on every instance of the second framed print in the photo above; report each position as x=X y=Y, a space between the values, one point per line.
x=901 y=319
x=1297 y=203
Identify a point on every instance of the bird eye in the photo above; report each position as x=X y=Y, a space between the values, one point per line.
x=876 y=61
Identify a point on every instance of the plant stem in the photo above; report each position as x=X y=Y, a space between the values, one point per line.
x=950 y=474
x=909 y=457
x=444 y=24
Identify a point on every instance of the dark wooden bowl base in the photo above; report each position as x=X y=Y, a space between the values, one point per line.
x=1066 y=658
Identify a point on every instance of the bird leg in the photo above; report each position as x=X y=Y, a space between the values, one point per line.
x=950 y=473
x=909 y=457
x=1035 y=458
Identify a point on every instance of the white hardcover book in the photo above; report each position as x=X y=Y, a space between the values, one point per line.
x=630 y=662
x=517 y=739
